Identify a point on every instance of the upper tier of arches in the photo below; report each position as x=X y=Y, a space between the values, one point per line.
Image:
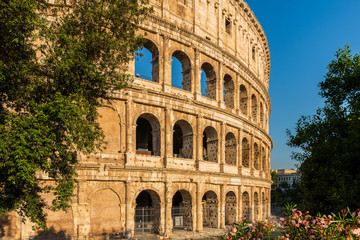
x=203 y=79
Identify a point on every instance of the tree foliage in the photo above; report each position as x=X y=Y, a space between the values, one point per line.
x=57 y=65
x=330 y=140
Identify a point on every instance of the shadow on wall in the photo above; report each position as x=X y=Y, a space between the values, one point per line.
x=6 y=227
x=51 y=234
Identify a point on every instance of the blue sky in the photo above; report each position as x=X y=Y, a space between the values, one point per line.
x=303 y=37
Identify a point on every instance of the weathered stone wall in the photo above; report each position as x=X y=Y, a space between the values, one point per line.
x=158 y=135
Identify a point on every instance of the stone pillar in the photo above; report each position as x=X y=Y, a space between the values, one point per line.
x=129 y=209
x=237 y=94
x=220 y=86
x=199 y=214
x=222 y=146
x=197 y=75
x=252 y=210
x=168 y=205
x=251 y=157
x=168 y=133
x=199 y=152
x=81 y=212
x=239 y=203
x=222 y=206
x=166 y=83
x=239 y=147
x=130 y=130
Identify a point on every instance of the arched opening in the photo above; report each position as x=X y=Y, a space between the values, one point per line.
x=228 y=91
x=256 y=206
x=147 y=135
x=181 y=71
x=263 y=165
x=230 y=208
x=181 y=211
x=245 y=153
x=147 y=212
x=261 y=115
x=210 y=144
x=254 y=110
x=208 y=81
x=243 y=100
x=256 y=156
x=147 y=62
x=246 y=206
x=230 y=149
x=210 y=209
x=182 y=140
x=105 y=214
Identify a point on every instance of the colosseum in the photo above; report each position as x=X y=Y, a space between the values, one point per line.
x=188 y=142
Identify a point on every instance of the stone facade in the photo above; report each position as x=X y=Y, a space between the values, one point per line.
x=175 y=158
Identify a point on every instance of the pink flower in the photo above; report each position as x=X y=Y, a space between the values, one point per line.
x=355 y=232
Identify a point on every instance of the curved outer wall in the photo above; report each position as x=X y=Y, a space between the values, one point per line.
x=226 y=173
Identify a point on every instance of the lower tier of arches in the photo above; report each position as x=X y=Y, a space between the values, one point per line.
x=131 y=208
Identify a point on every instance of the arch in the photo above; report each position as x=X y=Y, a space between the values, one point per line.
x=147 y=58
x=243 y=100
x=230 y=208
x=181 y=71
x=208 y=81
x=105 y=215
x=246 y=206
x=256 y=206
x=210 y=206
x=263 y=160
x=109 y=122
x=147 y=135
x=256 y=156
x=181 y=211
x=261 y=115
x=245 y=153
x=182 y=140
x=228 y=89
x=210 y=144
x=254 y=106
x=230 y=149
x=147 y=212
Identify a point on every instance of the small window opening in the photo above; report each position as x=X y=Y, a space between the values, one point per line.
x=228 y=26
x=253 y=53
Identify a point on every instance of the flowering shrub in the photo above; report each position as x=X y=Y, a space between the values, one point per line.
x=256 y=230
x=298 y=225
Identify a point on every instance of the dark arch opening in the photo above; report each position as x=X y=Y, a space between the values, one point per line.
x=147 y=212
x=181 y=211
x=230 y=149
x=182 y=140
x=245 y=153
x=246 y=206
x=230 y=208
x=243 y=100
x=147 y=62
x=228 y=91
x=254 y=106
x=210 y=205
x=208 y=81
x=147 y=135
x=181 y=71
x=210 y=144
x=256 y=156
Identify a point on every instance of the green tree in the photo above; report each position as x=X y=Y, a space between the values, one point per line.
x=330 y=140
x=57 y=65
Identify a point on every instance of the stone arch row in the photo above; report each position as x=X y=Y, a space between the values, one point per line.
x=149 y=205
x=148 y=143
x=182 y=72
